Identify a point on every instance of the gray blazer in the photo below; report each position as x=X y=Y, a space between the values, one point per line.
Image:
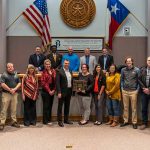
x=92 y=63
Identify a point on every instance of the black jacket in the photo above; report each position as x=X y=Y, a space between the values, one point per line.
x=57 y=63
x=89 y=80
x=142 y=78
x=101 y=82
x=109 y=61
x=61 y=82
x=33 y=61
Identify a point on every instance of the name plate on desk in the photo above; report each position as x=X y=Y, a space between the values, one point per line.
x=79 y=84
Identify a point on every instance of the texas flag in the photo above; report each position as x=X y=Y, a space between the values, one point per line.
x=118 y=13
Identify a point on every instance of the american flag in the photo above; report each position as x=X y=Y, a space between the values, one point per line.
x=37 y=15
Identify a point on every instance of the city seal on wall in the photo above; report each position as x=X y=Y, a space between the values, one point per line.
x=77 y=13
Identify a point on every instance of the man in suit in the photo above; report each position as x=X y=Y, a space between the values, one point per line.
x=64 y=90
x=105 y=60
x=54 y=57
x=37 y=59
x=144 y=82
x=89 y=60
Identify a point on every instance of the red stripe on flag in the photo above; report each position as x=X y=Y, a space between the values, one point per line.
x=112 y=30
x=36 y=13
x=37 y=21
x=49 y=38
x=32 y=23
x=48 y=20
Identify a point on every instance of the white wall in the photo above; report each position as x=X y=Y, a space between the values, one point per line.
x=58 y=28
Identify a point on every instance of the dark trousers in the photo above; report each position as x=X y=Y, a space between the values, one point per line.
x=47 y=107
x=99 y=107
x=66 y=100
x=145 y=101
x=29 y=111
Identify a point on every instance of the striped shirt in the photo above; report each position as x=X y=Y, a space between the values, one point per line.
x=30 y=87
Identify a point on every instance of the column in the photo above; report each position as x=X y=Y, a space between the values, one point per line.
x=148 y=20
x=3 y=34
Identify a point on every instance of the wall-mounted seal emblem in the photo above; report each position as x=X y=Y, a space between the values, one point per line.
x=77 y=13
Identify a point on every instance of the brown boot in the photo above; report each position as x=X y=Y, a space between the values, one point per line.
x=115 y=121
x=110 y=120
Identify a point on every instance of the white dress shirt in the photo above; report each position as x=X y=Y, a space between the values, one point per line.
x=68 y=75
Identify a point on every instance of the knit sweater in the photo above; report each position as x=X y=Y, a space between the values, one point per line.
x=113 y=86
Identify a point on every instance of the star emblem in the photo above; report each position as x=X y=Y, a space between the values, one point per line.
x=114 y=9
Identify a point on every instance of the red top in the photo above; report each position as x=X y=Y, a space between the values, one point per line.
x=48 y=81
x=96 y=85
x=30 y=87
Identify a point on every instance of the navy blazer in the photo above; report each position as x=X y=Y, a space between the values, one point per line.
x=33 y=61
x=109 y=61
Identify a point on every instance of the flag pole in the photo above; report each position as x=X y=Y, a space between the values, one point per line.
x=139 y=21
x=107 y=31
x=13 y=22
x=106 y=26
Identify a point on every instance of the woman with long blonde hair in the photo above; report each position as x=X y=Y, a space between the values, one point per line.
x=30 y=95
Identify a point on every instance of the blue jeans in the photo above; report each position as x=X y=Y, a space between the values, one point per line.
x=145 y=101
x=99 y=107
x=113 y=107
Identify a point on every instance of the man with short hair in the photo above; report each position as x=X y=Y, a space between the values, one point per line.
x=129 y=87
x=10 y=84
x=73 y=59
x=88 y=59
x=54 y=57
x=144 y=82
x=105 y=60
x=64 y=90
x=37 y=59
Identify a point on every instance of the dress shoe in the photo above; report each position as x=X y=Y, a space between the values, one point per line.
x=134 y=126
x=68 y=122
x=16 y=125
x=142 y=127
x=60 y=124
x=33 y=123
x=124 y=124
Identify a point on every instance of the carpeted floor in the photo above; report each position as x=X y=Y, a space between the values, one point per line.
x=74 y=137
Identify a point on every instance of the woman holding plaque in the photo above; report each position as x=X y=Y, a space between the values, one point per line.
x=113 y=95
x=48 y=82
x=85 y=93
x=29 y=95
x=98 y=93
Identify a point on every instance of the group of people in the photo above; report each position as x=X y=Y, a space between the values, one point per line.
x=104 y=83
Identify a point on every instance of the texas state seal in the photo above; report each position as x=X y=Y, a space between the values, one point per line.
x=77 y=13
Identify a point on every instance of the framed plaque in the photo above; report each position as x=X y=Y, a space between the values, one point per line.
x=79 y=84
x=95 y=44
